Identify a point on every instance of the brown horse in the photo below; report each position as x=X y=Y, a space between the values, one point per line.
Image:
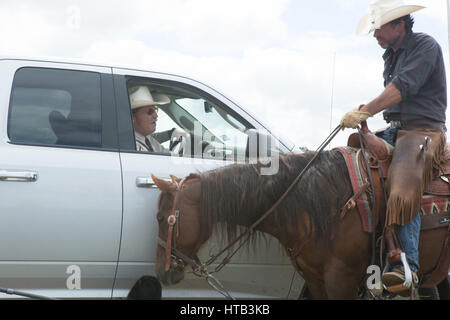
x=332 y=253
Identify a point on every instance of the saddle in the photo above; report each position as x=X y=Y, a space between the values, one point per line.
x=369 y=166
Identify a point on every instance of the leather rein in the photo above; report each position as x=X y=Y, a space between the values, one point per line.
x=176 y=259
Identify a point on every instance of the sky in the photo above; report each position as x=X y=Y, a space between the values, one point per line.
x=297 y=65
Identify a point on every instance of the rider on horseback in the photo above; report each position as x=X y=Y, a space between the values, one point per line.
x=413 y=102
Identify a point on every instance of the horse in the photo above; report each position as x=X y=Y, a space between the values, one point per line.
x=331 y=253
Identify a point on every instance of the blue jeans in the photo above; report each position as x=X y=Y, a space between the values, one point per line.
x=409 y=233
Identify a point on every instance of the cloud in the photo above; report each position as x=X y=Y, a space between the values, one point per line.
x=199 y=27
x=299 y=81
x=213 y=26
x=289 y=84
x=435 y=9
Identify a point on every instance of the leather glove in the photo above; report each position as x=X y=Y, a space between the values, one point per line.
x=353 y=118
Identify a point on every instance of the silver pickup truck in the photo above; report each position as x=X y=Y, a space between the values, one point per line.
x=77 y=209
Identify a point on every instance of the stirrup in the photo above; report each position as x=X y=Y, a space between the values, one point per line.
x=407 y=284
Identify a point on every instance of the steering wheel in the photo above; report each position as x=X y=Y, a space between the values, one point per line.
x=177 y=145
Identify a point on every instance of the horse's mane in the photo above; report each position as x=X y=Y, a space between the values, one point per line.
x=238 y=194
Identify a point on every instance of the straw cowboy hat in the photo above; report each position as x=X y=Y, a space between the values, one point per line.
x=384 y=11
x=141 y=97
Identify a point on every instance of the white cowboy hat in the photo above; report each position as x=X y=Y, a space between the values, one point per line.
x=384 y=11
x=141 y=97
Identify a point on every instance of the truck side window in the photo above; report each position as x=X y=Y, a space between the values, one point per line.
x=214 y=131
x=55 y=107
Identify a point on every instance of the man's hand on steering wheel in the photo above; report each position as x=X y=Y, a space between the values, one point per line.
x=178 y=138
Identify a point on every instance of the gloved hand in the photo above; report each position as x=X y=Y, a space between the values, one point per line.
x=353 y=118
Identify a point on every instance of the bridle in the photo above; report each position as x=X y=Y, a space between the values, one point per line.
x=177 y=259
x=173 y=256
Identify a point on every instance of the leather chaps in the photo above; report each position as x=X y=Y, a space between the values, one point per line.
x=416 y=159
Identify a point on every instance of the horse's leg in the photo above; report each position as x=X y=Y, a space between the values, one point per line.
x=338 y=281
x=311 y=263
x=347 y=262
x=341 y=281
x=316 y=288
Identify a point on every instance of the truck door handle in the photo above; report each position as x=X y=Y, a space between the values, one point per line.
x=18 y=175
x=147 y=182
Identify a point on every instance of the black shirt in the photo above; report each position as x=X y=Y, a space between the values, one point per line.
x=417 y=71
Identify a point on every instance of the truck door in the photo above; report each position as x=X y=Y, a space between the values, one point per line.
x=217 y=132
x=60 y=179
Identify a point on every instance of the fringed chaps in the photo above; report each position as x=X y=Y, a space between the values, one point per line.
x=411 y=171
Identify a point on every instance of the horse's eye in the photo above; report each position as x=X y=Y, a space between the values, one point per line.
x=160 y=218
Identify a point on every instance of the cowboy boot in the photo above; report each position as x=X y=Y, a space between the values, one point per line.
x=394 y=279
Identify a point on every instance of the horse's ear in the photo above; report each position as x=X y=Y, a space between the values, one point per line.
x=175 y=178
x=164 y=185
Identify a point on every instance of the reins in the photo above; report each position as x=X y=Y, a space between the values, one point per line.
x=201 y=269
x=363 y=143
x=274 y=206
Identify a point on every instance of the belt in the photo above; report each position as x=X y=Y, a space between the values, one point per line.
x=395 y=124
x=418 y=124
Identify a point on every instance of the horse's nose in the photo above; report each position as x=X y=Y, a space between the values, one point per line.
x=163 y=277
x=170 y=277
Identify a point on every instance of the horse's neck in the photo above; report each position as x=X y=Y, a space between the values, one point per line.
x=265 y=225
x=239 y=206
